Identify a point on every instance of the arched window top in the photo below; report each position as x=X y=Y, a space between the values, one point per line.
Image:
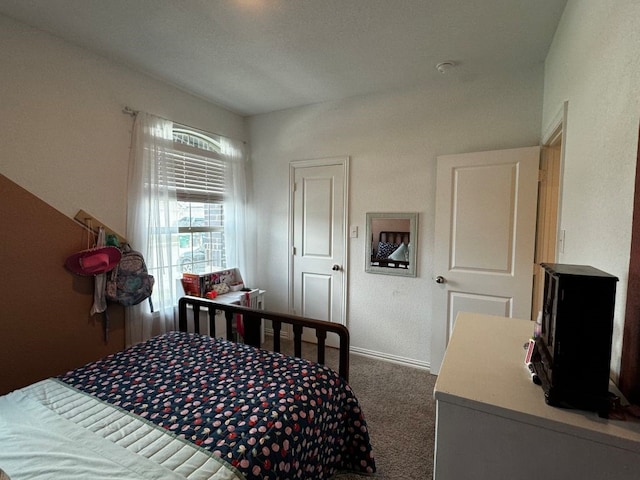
x=195 y=139
x=195 y=166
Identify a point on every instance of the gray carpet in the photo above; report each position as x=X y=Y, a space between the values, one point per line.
x=400 y=411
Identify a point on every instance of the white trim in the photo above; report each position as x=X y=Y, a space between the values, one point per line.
x=407 y=362
x=284 y=333
x=556 y=132
x=557 y=125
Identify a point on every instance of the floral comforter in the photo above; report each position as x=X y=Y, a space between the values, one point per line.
x=268 y=415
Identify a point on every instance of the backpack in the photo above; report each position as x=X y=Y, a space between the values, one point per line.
x=130 y=283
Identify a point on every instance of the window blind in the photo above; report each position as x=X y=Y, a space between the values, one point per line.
x=198 y=175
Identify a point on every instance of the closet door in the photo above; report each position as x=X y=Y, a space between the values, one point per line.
x=318 y=233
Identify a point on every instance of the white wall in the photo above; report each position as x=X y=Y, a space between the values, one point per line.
x=63 y=135
x=393 y=140
x=594 y=64
x=65 y=139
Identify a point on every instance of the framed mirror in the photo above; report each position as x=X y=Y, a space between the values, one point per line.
x=391 y=242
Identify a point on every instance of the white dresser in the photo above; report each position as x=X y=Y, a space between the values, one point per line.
x=493 y=423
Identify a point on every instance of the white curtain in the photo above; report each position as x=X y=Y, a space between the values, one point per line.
x=151 y=199
x=234 y=153
x=149 y=207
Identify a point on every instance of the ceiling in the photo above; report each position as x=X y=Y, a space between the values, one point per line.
x=258 y=56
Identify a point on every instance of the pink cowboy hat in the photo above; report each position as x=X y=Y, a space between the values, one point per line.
x=93 y=261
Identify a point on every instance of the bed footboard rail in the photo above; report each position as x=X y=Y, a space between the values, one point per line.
x=252 y=321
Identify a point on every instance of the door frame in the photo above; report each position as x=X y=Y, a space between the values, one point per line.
x=549 y=203
x=320 y=162
x=554 y=135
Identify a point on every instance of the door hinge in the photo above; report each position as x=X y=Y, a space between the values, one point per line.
x=293 y=250
x=542 y=175
x=294 y=187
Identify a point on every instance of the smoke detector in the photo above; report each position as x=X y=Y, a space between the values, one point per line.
x=444 y=67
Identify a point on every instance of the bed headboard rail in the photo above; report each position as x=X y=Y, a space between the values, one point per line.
x=252 y=319
x=395 y=237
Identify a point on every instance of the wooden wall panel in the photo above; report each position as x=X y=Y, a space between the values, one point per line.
x=45 y=325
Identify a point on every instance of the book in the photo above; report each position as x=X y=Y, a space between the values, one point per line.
x=191 y=284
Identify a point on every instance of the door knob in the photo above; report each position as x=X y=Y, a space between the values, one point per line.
x=335 y=268
x=441 y=279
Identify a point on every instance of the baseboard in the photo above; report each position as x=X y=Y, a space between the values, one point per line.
x=409 y=362
x=284 y=334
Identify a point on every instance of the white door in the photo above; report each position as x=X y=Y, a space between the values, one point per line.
x=318 y=234
x=484 y=238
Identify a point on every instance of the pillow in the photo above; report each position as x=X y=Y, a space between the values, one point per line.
x=385 y=249
x=400 y=254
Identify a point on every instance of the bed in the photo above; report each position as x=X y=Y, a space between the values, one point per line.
x=188 y=405
x=392 y=250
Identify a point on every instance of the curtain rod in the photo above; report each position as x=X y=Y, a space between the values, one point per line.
x=131 y=112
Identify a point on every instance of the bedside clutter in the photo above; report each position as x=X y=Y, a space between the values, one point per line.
x=220 y=282
x=224 y=286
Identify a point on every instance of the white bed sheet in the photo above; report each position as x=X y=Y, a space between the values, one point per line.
x=50 y=430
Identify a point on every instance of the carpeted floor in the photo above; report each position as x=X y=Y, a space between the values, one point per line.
x=400 y=411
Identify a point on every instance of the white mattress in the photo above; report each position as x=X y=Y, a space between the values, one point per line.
x=49 y=430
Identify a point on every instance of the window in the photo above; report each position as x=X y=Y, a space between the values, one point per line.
x=196 y=169
x=186 y=202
